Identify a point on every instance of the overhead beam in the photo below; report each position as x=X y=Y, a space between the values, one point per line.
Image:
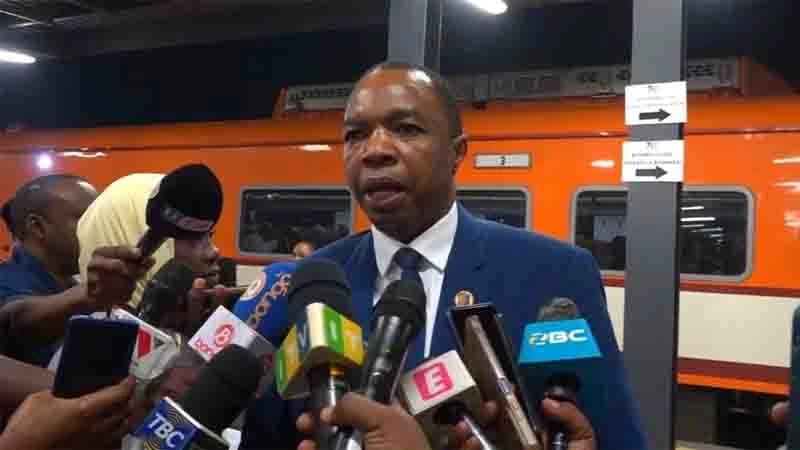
x=245 y=25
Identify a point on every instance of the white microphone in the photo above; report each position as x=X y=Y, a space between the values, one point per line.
x=222 y=329
x=440 y=393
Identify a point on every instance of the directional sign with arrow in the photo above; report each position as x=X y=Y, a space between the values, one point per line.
x=652 y=161
x=647 y=104
x=660 y=115
x=657 y=173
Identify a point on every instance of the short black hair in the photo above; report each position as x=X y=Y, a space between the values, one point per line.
x=34 y=197
x=440 y=86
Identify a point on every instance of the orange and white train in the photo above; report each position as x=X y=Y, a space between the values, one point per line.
x=544 y=153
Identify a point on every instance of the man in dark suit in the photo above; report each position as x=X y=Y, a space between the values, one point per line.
x=404 y=143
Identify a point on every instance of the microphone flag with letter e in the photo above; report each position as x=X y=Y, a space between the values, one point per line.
x=439 y=392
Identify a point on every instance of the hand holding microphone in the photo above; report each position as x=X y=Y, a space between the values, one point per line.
x=45 y=422
x=383 y=427
x=111 y=276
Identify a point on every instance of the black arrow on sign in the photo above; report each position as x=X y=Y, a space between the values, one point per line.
x=660 y=115
x=658 y=172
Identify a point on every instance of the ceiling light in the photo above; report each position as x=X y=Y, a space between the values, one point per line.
x=698 y=219
x=16 y=57
x=490 y=6
x=44 y=161
x=692 y=208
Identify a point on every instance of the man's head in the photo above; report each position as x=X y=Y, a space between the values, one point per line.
x=403 y=145
x=302 y=249
x=201 y=255
x=45 y=214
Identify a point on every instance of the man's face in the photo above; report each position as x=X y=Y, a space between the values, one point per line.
x=399 y=157
x=70 y=200
x=201 y=255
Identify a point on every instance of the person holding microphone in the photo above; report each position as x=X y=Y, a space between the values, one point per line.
x=392 y=428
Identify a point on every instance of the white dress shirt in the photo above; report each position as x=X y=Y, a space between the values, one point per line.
x=434 y=245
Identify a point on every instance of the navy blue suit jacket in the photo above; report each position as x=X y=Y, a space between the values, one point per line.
x=517 y=271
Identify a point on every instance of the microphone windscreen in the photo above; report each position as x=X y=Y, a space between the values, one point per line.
x=223 y=388
x=404 y=299
x=319 y=280
x=264 y=306
x=165 y=291
x=186 y=204
x=558 y=308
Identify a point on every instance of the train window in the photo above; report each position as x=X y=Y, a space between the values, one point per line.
x=274 y=220
x=500 y=205
x=715 y=230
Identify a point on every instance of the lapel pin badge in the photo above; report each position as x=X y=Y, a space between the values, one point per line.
x=464 y=298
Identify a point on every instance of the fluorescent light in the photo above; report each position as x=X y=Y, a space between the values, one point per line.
x=693 y=225
x=16 y=57
x=315 y=147
x=82 y=154
x=490 y=6
x=707 y=230
x=716 y=235
x=603 y=163
x=792 y=160
x=44 y=161
x=698 y=219
x=692 y=208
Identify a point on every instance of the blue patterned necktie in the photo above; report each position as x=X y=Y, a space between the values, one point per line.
x=409 y=261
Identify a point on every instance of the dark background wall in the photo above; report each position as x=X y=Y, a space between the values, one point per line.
x=238 y=80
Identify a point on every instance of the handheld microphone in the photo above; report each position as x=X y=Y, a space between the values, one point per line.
x=398 y=318
x=324 y=342
x=154 y=348
x=264 y=305
x=222 y=390
x=166 y=292
x=439 y=394
x=222 y=329
x=185 y=204
x=555 y=350
x=487 y=353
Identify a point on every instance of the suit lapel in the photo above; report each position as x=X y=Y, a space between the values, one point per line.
x=463 y=273
x=363 y=272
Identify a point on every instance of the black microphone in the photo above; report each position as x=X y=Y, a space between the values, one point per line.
x=166 y=292
x=222 y=390
x=320 y=307
x=186 y=204
x=398 y=318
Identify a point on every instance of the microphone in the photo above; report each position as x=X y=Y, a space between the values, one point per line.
x=398 y=318
x=264 y=305
x=223 y=329
x=555 y=350
x=166 y=292
x=324 y=342
x=439 y=394
x=186 y=204
x=154 y=348
x=222 y=390
x=487 y=353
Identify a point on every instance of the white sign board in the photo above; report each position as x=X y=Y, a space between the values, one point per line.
x=652 y=161
x=647 y=104
x=506 y=161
